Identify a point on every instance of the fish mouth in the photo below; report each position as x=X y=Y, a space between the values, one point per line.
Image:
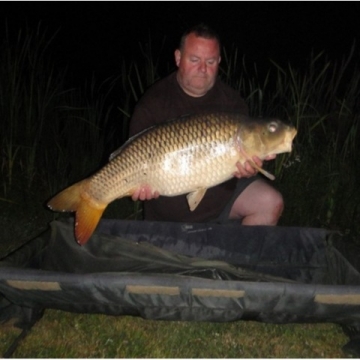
x=293 y=133
x=290 y=137
x=287 y=144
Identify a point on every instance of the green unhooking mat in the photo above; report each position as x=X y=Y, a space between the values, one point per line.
x=192 y=272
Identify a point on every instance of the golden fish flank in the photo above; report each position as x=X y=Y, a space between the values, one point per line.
x=187 y=155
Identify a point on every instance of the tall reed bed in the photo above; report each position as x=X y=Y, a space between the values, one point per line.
x=321 y=100
x=53 y=136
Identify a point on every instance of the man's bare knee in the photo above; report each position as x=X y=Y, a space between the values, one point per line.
x=274 y=208
x=259 y=204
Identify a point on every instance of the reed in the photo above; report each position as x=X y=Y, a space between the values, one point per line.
x=54 y=136
x=51 y=135
x=318 y=179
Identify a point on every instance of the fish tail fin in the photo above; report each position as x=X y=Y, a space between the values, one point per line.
x=88 y=210
x=87 y=218
x=68 y=199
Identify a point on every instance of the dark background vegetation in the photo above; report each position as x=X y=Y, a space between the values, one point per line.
x=95 y=36
x=93 y=39
x=91 y=61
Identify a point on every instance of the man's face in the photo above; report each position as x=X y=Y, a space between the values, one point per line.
x=198 y=64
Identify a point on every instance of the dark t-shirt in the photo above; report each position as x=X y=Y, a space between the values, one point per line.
x=165 y=100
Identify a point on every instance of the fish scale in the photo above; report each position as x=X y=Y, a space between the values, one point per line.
x=184 y=156
x=190 y=164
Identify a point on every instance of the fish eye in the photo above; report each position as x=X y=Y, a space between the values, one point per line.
x=273 y=126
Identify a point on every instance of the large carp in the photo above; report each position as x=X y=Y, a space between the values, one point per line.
x=186 y=155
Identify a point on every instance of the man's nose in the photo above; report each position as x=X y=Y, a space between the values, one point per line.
x=203 y=67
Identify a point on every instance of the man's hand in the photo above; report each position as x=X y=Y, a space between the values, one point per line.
x=247 y=170
x=145 y=193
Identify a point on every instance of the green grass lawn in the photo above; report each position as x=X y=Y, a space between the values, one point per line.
x=65 y=335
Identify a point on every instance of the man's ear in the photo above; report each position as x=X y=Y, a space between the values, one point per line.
x=177 y=54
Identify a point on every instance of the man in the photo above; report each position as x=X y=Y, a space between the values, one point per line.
x=195 y=88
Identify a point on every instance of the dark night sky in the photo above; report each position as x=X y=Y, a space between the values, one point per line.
x=95 y=36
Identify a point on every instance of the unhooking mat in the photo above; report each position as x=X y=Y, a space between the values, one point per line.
x=190 y=272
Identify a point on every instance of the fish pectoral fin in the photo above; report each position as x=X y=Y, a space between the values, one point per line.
x=264 y=172
x=258 y=168
x=195 y=197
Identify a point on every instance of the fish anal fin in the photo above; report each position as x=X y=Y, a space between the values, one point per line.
x=194 y=198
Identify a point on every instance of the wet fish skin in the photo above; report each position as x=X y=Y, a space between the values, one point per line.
x=186 y=155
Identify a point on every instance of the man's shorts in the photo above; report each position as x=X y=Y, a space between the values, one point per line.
x=240 y=187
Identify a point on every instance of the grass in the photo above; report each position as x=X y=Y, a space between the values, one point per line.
x=53 y=136
x=64 y=335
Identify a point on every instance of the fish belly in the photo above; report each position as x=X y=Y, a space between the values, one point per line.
x=173 y=161
x=188 y=170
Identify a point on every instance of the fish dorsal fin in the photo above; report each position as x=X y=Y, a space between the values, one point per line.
x=195 y=197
